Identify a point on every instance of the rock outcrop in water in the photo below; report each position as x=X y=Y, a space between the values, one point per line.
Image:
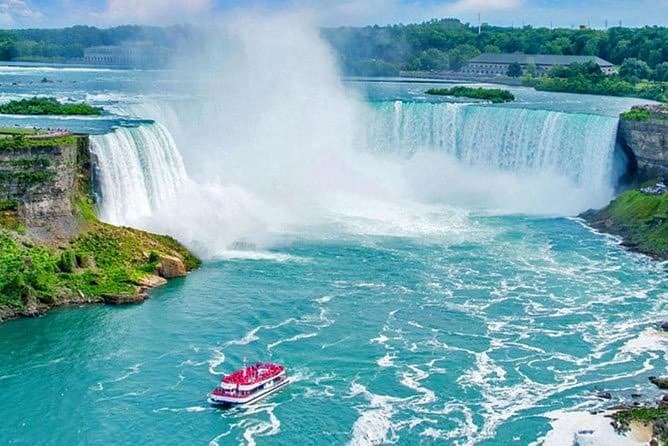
x=643 y=133
x=54 y=250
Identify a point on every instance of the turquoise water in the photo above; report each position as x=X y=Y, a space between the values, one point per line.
x=387 y=338
x=438 y=324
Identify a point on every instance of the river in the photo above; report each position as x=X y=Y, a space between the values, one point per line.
x=414 y=262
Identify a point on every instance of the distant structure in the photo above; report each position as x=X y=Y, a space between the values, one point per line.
x=489 y=64
x=128 y=55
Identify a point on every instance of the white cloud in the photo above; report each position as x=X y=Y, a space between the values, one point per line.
x=18 y=12
x=154 y=11
x=468 y=6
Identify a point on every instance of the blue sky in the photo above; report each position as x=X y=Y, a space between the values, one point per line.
x=566 y=13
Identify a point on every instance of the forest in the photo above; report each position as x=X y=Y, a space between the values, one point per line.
x=447 y=44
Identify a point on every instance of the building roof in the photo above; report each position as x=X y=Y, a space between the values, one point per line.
x=538 y=59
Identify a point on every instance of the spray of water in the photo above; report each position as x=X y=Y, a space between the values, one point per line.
x=275 y=144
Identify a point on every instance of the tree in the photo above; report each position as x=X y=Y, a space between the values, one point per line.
x=7 y=50
x=633 y=69
x=531 y=70
x=514 y=70
x=458 y=56
x=661 y=72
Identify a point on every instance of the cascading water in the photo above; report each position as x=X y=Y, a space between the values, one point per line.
x=492 y=158
x=139 y=170
x=577 y=146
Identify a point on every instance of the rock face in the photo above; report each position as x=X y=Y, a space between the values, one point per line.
x=171 y=267
x=41 y=181
x=660 y=382
x=647 y=144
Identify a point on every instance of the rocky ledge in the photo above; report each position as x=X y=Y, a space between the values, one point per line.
x=643 y=134
x=639 y=216
x=54 y=251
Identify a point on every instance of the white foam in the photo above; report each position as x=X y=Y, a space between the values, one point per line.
x=324 y=299
x=217 y=359
x=374 y=424
x=251 y=336
x=647 y=341
x=259 y=255
x=292 y=339
x=387 y=360
x=584 y=429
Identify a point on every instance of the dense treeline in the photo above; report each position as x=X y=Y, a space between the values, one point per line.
x=494 y=95
x=430 y=46
x=69 y=43
x=635 y=78
x=47 y=106
x=447 y=44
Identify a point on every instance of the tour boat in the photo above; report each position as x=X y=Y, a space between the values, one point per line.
x=249 y=384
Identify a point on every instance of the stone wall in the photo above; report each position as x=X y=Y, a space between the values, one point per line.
x=42 y=181
x=647 y=143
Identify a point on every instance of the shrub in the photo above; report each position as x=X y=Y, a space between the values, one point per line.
x=637 y=115
x=47 y=106
x=67 y=262
x=494 y=95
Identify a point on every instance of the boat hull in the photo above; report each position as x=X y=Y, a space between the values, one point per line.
x=229 y=402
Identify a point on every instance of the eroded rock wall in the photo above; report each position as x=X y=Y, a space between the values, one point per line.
x=648 y=142
x=42 y=182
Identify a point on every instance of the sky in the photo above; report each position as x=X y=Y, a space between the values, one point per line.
x=558 y=13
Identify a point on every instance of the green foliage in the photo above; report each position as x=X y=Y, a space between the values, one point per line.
x=405 y=46
x=8 y=50
x=17 y=131
x=661 y=72
x=68 y=43
x=104 y=260
x=373 y=67
x=633 y=70
x=637 y=115
x=514 y=70
x=68 y=261
x=20 y=142
x=643 y=415
x=576 y=78
x=642 y=220
x=101 y=261
x=494 y=95
x=47 y=106
x=9 y=205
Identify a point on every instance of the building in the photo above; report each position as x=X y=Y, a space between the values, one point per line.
x=129 y=55
x=489 y=64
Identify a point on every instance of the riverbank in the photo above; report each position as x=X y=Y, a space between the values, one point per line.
x=54 y=251
x=640 y=217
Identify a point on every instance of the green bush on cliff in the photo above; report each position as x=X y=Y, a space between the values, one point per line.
x=47 y=106
x=20 y=142
x=102 y=260
x=495 y=95
x=641 y=219
x=637 y=115
x=113 y=262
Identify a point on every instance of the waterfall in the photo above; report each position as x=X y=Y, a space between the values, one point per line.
x=578 y=146
x=474 y=156
x=139 y=170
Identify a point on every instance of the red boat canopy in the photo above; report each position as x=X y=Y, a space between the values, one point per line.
x=253 y=374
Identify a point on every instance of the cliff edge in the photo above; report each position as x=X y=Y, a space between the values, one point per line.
x=643 y=134
x=53 y=249
x=639 y=216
